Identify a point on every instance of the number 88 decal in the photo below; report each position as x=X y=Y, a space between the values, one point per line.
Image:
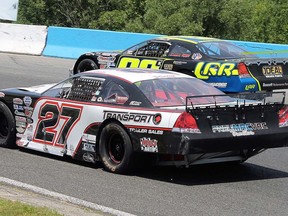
x=126 y=62
x=55 y=122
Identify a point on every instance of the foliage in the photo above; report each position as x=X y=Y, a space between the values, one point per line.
x=14 y=208
x=251 y=20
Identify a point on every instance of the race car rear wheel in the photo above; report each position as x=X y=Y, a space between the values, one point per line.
x=115 y=149
x=7 y=127
x=86 y=65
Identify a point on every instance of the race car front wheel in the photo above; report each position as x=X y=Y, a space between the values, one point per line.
x=116 y=149
x=86 y=65
x=7 y=127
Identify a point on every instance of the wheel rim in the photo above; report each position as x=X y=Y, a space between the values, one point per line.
x=116 y=148
x=86 y=66
x=4 y=128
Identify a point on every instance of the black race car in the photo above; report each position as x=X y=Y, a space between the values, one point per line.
x=218 y=62
x=117 y=115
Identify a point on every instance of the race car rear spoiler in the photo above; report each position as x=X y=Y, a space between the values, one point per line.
x=235 y=100
x=238 y=103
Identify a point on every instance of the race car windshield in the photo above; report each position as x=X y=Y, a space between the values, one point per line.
x=223 y=50
x=173 y=91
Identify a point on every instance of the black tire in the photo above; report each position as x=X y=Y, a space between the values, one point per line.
x=116 y=149
x=85 y=65
x=7 y=127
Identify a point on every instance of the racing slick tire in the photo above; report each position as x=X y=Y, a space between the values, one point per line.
x=7 y=127
x=86 y=65
x=115 y=148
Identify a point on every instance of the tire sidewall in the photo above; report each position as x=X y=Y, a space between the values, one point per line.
x=126 y=164
x=85 y=63
x=10 y=139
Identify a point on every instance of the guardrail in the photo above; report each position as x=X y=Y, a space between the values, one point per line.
x=72 y=42
x=23 y=39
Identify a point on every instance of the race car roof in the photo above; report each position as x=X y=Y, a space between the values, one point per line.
x=134 y=74
x=191 y=39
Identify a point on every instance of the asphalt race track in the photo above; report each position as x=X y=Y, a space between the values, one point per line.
x=257 y=187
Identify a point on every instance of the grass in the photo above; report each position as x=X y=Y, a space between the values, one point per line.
x=15 y=208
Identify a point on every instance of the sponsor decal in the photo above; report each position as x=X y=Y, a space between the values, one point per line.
x=102 y=66
x=2 y=95
x=20 y=129
x=17 y=112
x=157 y=118
x=88 y=147
x=29 y=132
x=28 y=108
x=106 y=58
x=17 y=101
x=243 y=133
x=272 y=71
x=29 y=120
x=20 y=124
x=168 y=66
x=205 y=70
x=148 y=144
x=88 y=157
x=135 y=103
x=133 y=117
x=27 y=100
x=18 y=107
x=88 y=141
x=20 y=135
x=28 y=113
x=185 y=55
x=250 y=87
x=187 y=130
x=20 y=119
x=219 y=84
x=179 y=62
x=19 y=143
x=146 y=131
x=275 y=84
x=267 y=84
x=196 y=56
x=241 y=129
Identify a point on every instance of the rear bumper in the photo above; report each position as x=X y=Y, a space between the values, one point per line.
x=198 y=143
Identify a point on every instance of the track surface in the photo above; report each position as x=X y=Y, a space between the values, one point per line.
x=258 y=187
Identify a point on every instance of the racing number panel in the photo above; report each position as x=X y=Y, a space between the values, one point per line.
x=55 y=123
x=139 y=62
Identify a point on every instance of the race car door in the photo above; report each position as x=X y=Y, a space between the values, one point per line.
x=151 y=55
x=53 y=119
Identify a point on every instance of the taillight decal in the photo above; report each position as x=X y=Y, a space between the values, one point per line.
x=283 y=117
x=243 y=70
x=186 y=123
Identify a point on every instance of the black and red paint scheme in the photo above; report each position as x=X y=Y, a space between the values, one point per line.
x=116 y=115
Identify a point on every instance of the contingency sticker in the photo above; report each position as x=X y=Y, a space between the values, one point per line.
x=241 y=129
x=148 y=144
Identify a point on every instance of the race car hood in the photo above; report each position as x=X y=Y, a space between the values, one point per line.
x=104 y=53
x=37 y=89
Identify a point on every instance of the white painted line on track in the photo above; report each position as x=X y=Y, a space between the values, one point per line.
x=63 y=197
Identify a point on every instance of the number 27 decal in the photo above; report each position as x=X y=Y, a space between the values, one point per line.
x=55 y=122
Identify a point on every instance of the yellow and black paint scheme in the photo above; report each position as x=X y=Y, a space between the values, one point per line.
x=212 y=60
